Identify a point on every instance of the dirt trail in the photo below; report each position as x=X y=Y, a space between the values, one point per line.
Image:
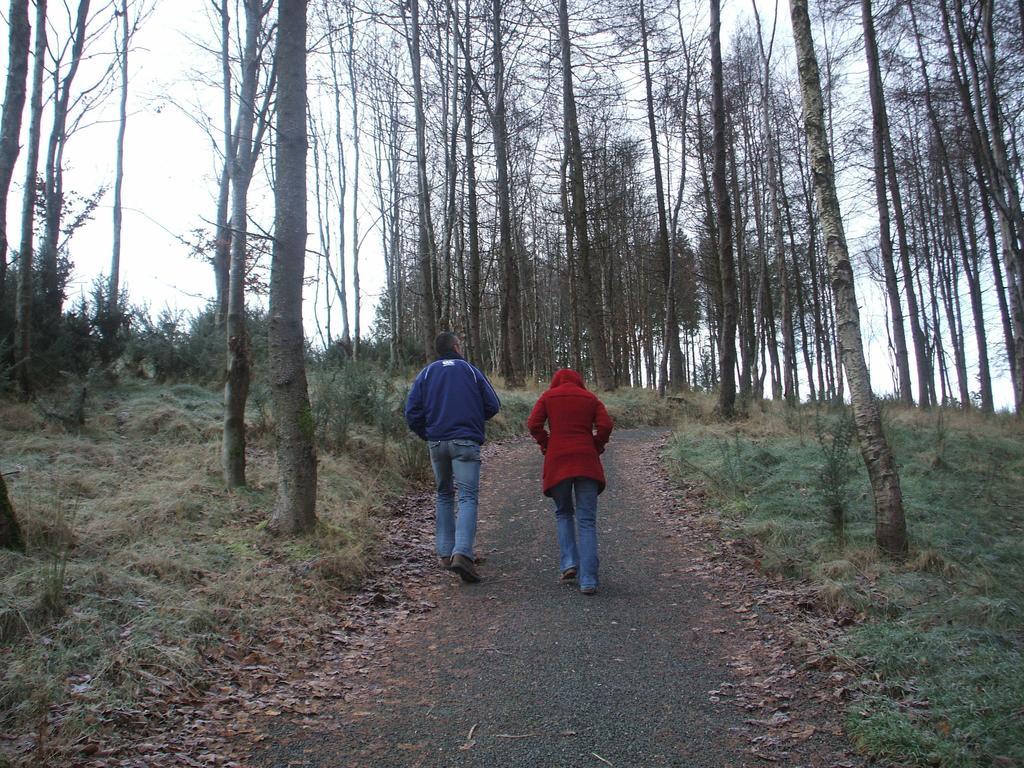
x=523 y=671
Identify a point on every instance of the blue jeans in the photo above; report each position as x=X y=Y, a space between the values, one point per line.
x=584 y=518
x=456 y=463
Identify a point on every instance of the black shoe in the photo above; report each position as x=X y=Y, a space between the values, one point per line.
x=569 y=574
x=588 y=590
x=463 y=566
x=445 y=562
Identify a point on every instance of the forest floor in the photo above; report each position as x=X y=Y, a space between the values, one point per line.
x=685 y=657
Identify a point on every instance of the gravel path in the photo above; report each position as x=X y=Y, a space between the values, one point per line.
x=523 y=671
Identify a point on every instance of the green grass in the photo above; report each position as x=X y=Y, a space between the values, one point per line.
x=943 y=650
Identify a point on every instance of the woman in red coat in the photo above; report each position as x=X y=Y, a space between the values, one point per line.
x=579 y=429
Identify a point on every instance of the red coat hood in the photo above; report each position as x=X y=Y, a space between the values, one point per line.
x=567 y=376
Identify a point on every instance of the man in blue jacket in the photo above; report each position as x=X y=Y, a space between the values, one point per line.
x=449 y=402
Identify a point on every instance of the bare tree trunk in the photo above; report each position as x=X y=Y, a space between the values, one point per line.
x=236 y=384
x=890 y=524
x=295 y=509
x=475 y=346
x=115 y=257
x=18 y=41
x=590 y=298
x=879 y=129
x=23 y=313
x=723 y=213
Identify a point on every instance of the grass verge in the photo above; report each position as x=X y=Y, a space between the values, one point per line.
x=942 y=644
x=138 y=559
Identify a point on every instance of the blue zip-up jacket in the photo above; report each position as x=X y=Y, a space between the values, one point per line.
x=450 y=400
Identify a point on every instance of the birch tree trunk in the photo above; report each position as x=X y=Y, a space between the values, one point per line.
x=295 y=509
x=890 y=525
x=18 y=41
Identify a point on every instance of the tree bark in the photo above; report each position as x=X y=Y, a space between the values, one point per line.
x=723 y=213
x=890 y=524
x=23 y=312
x=19 y=40
x=295 y=508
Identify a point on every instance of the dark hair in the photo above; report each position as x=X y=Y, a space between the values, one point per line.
x=444 y=344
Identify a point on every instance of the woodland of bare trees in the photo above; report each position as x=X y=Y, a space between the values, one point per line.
x=641 y=189
x=541 y=176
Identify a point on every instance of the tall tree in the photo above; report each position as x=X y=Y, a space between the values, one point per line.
x=350 y=55
x=238 y=367
x=295 y=509
x=23 y=312
x=425 y=241
x=18 y=42
x=473 y=215
x=52 y=288
x=590 y=296
x=511 y=312
x=879 y=128
x=890 y=524
x=674 y=372
x=114 y=281
x=222 y=242
x=723 y=215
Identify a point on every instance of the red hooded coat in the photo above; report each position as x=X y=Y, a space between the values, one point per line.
x=572 y=447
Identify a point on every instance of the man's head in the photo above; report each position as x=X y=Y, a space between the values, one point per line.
x=447 y=343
